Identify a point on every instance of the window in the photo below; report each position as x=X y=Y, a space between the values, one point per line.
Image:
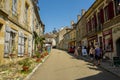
x=14 y=6
x=106 y=13
x=26 y=12
x=110 y=10
x=12 y=41
x=20 y=43
x=101 y=16
x=100 y=19
x=9 y=46
x=108 y=43
x=89 y=26
x=95 y=22
x=117 y=6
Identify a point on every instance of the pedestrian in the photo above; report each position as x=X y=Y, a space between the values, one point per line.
x=92 y=53
x=76 y=52
x=84 y=51
x=79 y=51
x=98 y=54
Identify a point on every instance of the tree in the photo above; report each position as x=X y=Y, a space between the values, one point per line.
x=39 y=41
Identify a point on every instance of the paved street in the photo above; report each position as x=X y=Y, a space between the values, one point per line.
x=62 y=66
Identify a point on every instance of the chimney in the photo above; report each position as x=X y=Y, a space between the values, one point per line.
x=78 y=17
x=72 y=22
x=83 y=12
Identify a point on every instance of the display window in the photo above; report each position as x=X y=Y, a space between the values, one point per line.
x=108 y=43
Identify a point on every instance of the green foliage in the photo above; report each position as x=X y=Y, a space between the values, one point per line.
x=37 y=54
x=25 y=62
x=13 y=48
x=39 y=40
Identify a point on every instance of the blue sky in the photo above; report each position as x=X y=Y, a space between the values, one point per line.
x=59 y=13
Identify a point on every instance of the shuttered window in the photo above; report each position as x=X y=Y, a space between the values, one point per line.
x=101 y=16
x=106 y=13
x=110 y=10
x=117 y=6
x=19 y=44
x=14 y=6
x=7 y=41
x=90 y=26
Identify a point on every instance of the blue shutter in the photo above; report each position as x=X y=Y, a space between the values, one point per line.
x=19 y=44
x=7 y=39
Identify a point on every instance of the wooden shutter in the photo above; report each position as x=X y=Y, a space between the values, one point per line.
x=29 y=46
x=95 y=20
x=110 y=10
x=19 y=44
x=22 y=45
x=101 y=16
x=7 y=39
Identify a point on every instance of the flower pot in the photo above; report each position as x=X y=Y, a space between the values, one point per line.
x=25 y=68
x=38 y=60
x=42 y=56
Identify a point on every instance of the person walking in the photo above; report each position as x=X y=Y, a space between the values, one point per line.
x=76 y=52
x=92 y=53
x=84 y=51
x=98 y=54
x=79 y=51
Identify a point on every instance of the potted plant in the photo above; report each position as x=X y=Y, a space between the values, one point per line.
x=25 y=64
x=38 y=56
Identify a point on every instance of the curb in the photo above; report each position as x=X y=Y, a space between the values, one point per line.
x=33 y=71
x=103 y=68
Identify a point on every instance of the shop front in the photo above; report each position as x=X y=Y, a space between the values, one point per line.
x=108 y=43
x=71 y=47
x=92 y=40
x=116 y=40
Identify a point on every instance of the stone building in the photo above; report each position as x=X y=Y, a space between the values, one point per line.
x=72 y=41
x=66 y=39
x=50 y=39
x=81 y=38
x=60 y=37
x=18 y=20
x=103 y=26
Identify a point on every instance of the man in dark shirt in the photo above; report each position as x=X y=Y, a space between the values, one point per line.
x=97 y=55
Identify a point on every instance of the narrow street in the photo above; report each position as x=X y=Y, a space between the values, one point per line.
x=62 y=66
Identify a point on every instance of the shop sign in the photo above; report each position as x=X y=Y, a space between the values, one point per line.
x=107 y=32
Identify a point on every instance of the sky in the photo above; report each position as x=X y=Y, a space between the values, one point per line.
x=59 y=13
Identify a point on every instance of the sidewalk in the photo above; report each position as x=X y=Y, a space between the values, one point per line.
x=107 y=65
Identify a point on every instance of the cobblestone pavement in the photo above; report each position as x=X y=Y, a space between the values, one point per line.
x=62 y=66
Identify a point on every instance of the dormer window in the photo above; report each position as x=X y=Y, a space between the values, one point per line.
x=14 y=6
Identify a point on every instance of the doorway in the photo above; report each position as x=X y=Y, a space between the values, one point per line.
x=118 y=47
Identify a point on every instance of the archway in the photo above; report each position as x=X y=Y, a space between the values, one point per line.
x=118 y=47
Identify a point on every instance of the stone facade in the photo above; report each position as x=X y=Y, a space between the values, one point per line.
x=60 y=37
x=18 y=20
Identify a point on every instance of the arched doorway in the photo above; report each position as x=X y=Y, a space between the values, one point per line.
x=118 y=47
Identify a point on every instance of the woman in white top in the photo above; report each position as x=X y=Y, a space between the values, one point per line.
x=92 y=53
